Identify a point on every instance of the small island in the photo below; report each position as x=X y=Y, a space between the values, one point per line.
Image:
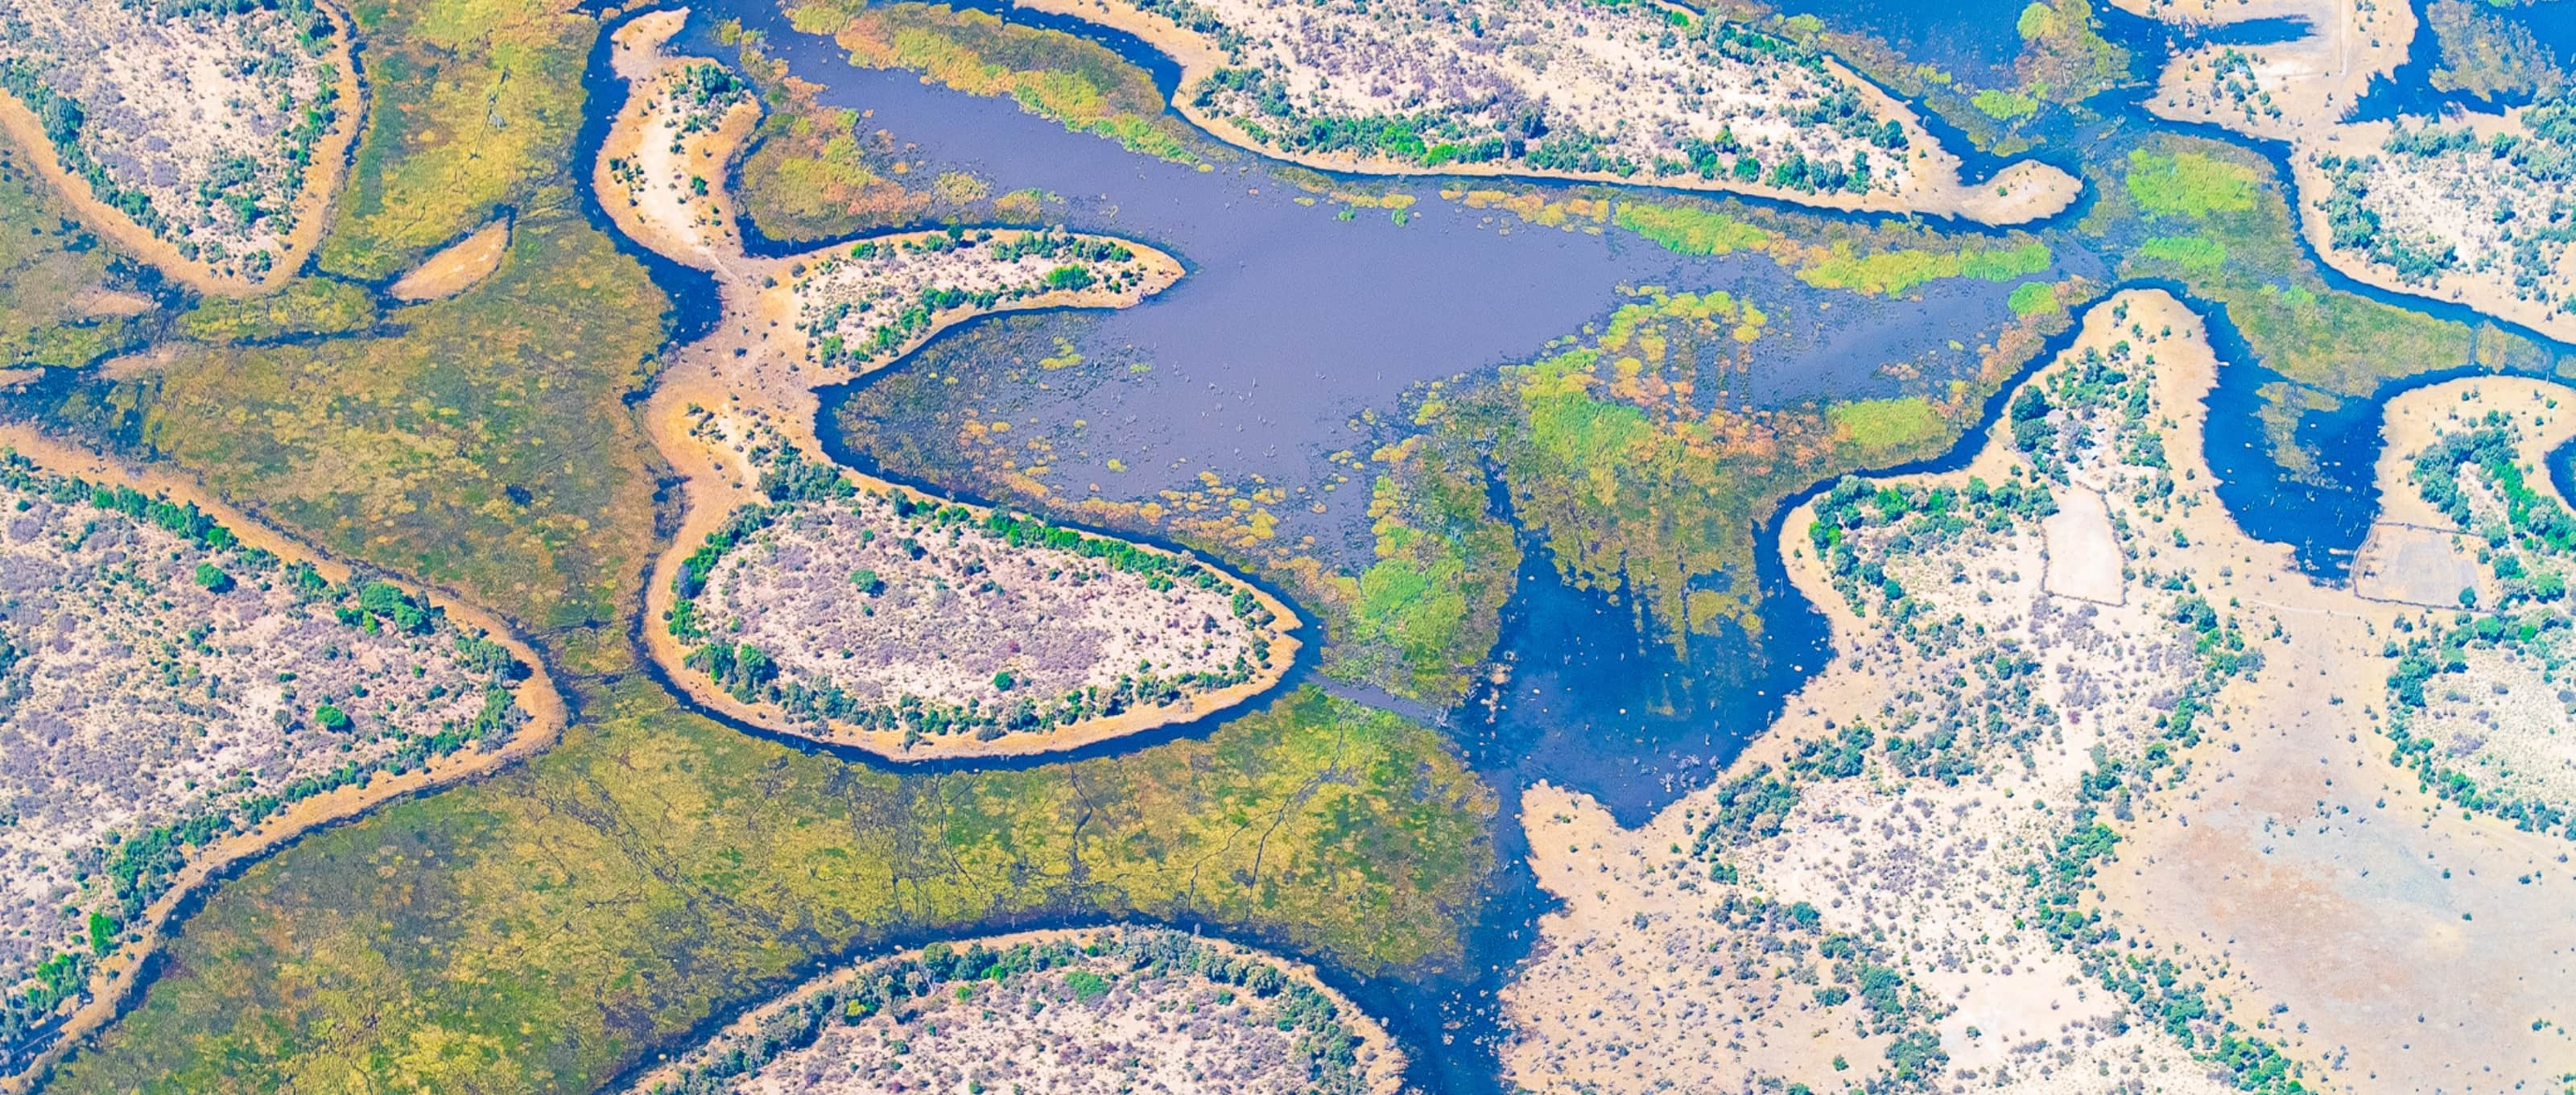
x=1110 y=1010
x=180 y=690
x=876 y=616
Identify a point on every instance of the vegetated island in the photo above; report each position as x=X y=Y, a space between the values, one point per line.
x=2084 y=801
x=182 y=689
x=2475 y=208
x=804 y=599
x=205 y=138
x=1643 y=93
x=1104 y=1010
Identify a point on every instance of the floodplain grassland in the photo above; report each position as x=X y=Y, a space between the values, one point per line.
x=63 y=301
x=553 y=927
x=477 y=441
x=472 y=105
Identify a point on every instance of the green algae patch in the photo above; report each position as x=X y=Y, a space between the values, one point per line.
x=552 y=927
x=1889 y=424
x=2032 y=298
x=1872 y=263
x=2006 y=106
x=2195 y=254
x=2189 y=184
x=1889 y=273
x=1691 y=231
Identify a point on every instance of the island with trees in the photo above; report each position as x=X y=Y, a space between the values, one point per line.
x=1642 y=93
x=1109 y=1010
x=181 y=690
x=208 y=140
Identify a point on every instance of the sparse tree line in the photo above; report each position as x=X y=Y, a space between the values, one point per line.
x=227 y=207
x=885 y=324
x=796 y=485
x=194 y=676
x=914 y=989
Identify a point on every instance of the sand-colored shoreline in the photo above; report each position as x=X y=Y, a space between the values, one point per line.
x=456 y=267
x=2026 y=191
x=1387 y=1058
x=747 y=373
x=2283 y=860
x=313 y=203
x=118 y=979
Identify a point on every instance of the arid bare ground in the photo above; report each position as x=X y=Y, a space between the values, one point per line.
x=456 y=267
x=2157 y=846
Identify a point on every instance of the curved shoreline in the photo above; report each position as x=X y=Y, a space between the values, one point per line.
x=1371 y=1031
x=739 y=377
x=121 y=975
x=2037 y=190
x=313 y=204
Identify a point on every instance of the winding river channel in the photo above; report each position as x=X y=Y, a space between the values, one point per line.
x=1295 y=323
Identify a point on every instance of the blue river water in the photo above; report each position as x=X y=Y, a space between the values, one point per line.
x=1295 y=323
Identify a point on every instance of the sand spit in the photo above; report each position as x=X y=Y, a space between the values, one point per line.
x=2430 y=207
x=210 y=144
x=728 y=407
x=456 y=267
x=1652 y=94
x=1096 y=1009
x=2054 y=835
x=114 y=977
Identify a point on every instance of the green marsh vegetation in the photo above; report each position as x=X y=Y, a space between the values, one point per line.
x=2215 y=218
x=50 y=268
x=1052 y=74
x=1884 y=260
x=477 y=441
x=548 y=928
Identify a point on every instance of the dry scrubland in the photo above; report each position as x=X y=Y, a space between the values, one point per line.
x=2474 y=208
x=206 y=136
x=2017 y=839
x=876 y=609
x=793 y=599
x=1625 y=93
x=166 y=688
x=1114 y=1010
